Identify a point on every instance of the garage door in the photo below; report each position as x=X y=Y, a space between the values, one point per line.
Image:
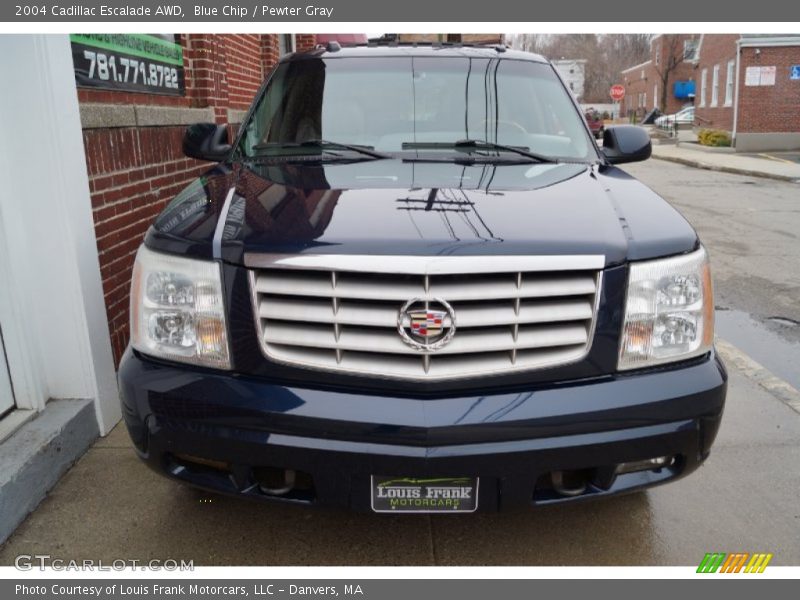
x=6 y=393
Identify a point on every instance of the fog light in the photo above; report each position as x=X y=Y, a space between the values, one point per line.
x=648 y=464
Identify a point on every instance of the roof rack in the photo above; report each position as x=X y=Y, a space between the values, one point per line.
x=389 y=43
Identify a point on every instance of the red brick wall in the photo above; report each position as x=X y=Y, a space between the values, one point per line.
x=635 y=83
x=304 y=41
x=770 y=109
x=134 y=171
x=716 y=49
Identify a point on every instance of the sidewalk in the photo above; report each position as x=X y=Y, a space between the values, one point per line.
x=729 y=162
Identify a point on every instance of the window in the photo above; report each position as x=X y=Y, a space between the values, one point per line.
x=715 y=86
x=703 y=82
x=388 y=102
x=655 y=96
x=729 y=84
x=285 y=43
x=690 y=48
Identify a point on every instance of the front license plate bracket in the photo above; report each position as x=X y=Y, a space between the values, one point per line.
x=424 y=494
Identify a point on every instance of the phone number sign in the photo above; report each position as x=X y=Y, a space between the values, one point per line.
x=132 y=62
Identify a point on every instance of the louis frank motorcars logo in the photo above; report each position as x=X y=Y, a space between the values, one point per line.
x=426 y=324
x=437 y=494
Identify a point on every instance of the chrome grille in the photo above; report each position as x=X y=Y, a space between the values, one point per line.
x=340 y=313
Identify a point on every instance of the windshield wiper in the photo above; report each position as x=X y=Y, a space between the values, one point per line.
x=316 y=143
x=470 y=144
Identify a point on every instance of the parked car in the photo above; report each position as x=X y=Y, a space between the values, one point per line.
x=400 y=292
x=595 y=122
x=684 y=116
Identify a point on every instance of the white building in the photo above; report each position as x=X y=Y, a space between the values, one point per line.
x=57 y=383
x=573 y=72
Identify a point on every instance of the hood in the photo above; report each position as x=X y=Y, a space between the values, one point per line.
x=390 y=207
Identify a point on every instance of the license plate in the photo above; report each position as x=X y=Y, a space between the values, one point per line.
x=424 y=495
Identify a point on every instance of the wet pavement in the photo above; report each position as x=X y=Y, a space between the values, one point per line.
x=745 y=498
x=762 y=343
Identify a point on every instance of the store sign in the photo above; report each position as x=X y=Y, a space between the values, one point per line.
x=132 y=62
x=755 y=76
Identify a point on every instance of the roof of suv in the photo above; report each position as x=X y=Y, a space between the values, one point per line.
x=414 y=49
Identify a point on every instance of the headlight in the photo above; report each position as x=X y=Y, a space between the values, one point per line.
x=669 y=312
x=177 y=311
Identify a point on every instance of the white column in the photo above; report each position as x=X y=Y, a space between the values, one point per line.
x=6 y=393
x=51 y=297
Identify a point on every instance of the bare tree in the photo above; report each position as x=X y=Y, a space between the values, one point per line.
x=606 y=55
x=670 y=57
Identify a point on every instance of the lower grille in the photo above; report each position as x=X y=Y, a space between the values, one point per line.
x=342 y=313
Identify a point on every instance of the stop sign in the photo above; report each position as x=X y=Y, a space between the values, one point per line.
x=617 y=92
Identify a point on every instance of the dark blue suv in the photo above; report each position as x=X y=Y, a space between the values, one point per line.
x=414 y=283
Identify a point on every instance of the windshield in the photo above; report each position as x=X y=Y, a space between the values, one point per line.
x=389 y=104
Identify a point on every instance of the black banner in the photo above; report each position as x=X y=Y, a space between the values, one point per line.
x=133 y=62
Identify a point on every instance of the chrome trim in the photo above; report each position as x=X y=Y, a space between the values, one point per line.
x=596 y=310
x=216 y=243
x=424 y=265
x=316 y=368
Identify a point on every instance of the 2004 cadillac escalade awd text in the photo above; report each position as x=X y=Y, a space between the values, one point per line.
x=414 y=282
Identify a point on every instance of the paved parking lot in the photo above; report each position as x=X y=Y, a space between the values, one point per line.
x=745 y=498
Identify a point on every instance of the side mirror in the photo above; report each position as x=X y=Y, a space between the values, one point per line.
x=206 y=141
x=626 y=143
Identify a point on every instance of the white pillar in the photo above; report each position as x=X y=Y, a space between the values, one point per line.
x=51 y=298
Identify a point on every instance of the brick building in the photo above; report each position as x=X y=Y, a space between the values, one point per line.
x=132 y=142
x=746 y=85
x=766 y=112
x=673 y=58
x=716 y=81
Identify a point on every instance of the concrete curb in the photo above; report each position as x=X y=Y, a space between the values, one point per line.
x=35 y=457
x=708 y=167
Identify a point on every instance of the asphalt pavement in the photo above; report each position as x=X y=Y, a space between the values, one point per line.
x=745 y=498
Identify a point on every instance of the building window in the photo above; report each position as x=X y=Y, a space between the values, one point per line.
x=703 y=82
x=690 y=48
x=655 y=96
x=729 y=84
x=285 y=43
x=715 y=86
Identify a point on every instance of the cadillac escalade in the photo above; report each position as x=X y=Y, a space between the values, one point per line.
x=413 y=282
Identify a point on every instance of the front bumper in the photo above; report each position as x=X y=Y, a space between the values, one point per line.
x=229 y=432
